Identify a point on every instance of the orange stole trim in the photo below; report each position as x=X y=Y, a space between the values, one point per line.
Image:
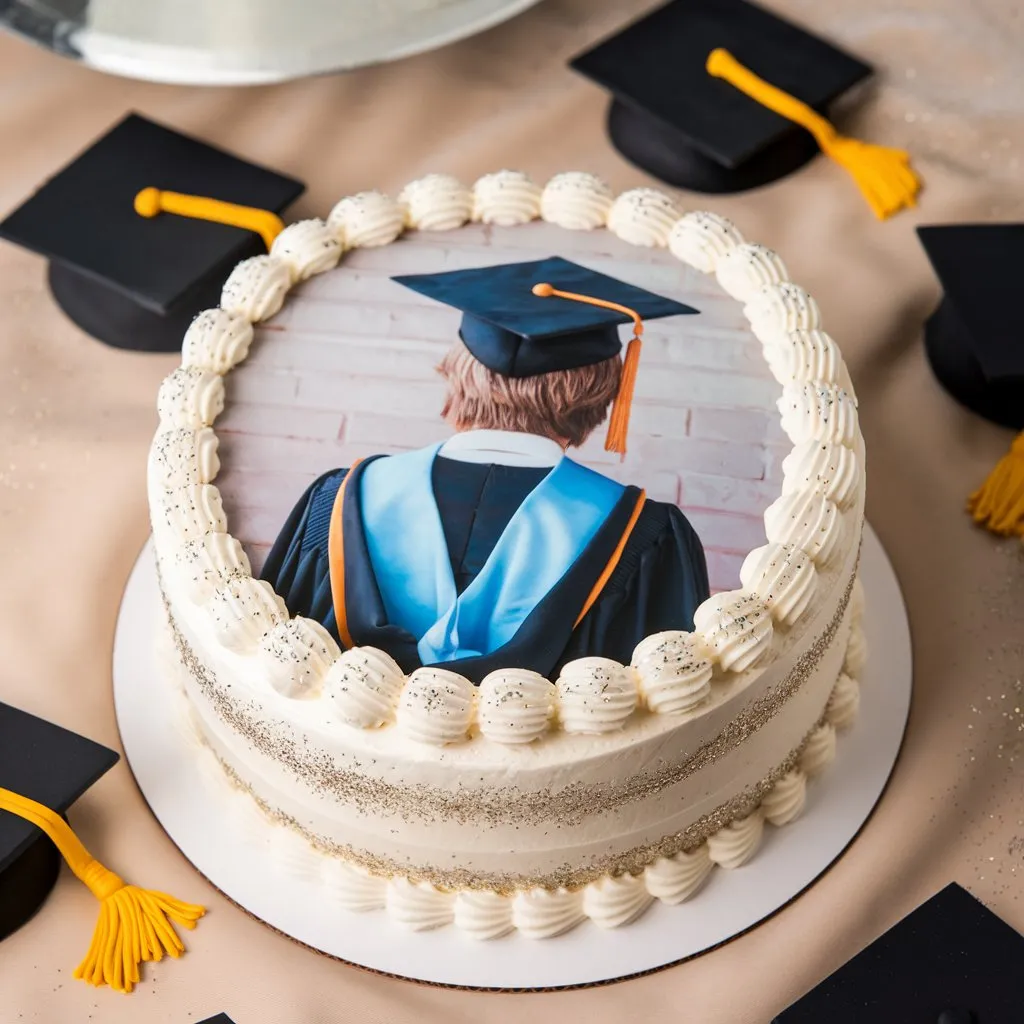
x=602 y=580
x=336 y=560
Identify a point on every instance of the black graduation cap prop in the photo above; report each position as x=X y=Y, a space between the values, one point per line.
x=133 y=282
x=43 y=770
x=951 y=961
x=723 y=95
x=221 y=1018
x=509 y=324
x=975 y=345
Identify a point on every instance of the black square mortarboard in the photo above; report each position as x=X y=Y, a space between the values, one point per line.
x=55 y=767
x=951 y=961
x=975 y=338
x=220 y=1018
x=517 y=333
x=130 y=281
x=670 y=117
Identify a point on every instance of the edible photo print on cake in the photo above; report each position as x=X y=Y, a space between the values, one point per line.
x=459 y=452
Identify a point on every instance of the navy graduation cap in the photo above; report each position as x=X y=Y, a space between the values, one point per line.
x=524 y=319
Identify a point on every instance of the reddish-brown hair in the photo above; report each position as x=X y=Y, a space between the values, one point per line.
x=567 y=405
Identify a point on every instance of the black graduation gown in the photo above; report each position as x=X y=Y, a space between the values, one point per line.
x=659 y=581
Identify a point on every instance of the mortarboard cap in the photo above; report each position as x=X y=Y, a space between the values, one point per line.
x=55 y=767
x=512 y=326
x=975 y=343
x=738 y=121
x=220 y=1018
x=127 y=280
x=951 y=961
x=43 y=770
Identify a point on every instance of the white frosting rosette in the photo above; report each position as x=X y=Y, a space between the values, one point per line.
x=856 y=652
x=353 y=887
x=256 y=288
x=596 y=695
x=828 y=469
x=205 y=564
x=643 y=216
x=515 y=705
x=784 y=577
x=737 y=628
x=436 y=706
x=506 y=198
x=777 y=309
x=363 y=686
x=613 y=901
x=731 y=847
x=243 y=611
x=188 y=512
x=295 y=656
x=190 y=397
x=437 y=202
x=307 y=247
x=183 y=456
x=817 y=411
x=418 y=906
x=807 y=355
x=576 y=200
x=819 y=751
x=700 y=239
x=216 y=340
x=744 y=270
x=482 y=914
x=785 y=801
x=366 y=220
x=545 y=913
x=806 y=519
x=675 y=879
x=674 y=669
x=843 y=703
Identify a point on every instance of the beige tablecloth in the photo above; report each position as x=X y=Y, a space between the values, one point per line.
x=76 y=420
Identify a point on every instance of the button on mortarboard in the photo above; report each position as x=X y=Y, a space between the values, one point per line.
x=975 y=338
x=950 y=960
x=127 y=280
x=54 y=767
x=674 y=120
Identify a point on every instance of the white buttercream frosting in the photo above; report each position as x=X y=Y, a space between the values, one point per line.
x=737 y=628
x=856 y=652
x=596 y=695
x=611 y=902
x=418 y=906
x=576 y=200
x=363 y=686
x=204 y=564
x=544 y=913
x=295 y=656
x=700 y=239
x=366 y=220
x=732 y=846
x=777 y=309
x=829 y=469
x=188 y=512
x=482 y=914
x=744 y=270
x=643 y=216
x=807 y=355
x=675 y=879
x=353 y=887
x=785 y=801
x=806 y=519
x=436 y=706
x=814 y=410
x=857 y=601
x=784 y=577
x=506 y=198
x=674 y=669
x=515 y=705
x=307 y=247
x=819 y=751
x=243 y=611
x=256 y=288
x=216 y=340
x=183 y=456
x=436 y=202
x=190 y=397
x=844 y=702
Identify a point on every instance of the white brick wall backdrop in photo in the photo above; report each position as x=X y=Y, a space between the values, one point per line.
x=346 y=370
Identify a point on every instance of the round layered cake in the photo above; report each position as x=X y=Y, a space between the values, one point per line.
x=517 y=800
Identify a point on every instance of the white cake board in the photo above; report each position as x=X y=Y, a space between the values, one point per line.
x=197 y=816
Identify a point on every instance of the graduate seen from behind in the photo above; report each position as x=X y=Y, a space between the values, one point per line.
x=495 y=548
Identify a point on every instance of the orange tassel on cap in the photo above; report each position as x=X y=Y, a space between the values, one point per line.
x=152 y=201
x=618 y=421
x=998 y=504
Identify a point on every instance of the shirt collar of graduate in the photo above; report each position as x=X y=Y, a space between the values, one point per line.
x=502 y=448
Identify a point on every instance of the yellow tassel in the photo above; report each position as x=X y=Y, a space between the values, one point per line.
x=152 y=201
x=883 y=175
x=998 y=504
x=618 y=422
x=135 y=925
